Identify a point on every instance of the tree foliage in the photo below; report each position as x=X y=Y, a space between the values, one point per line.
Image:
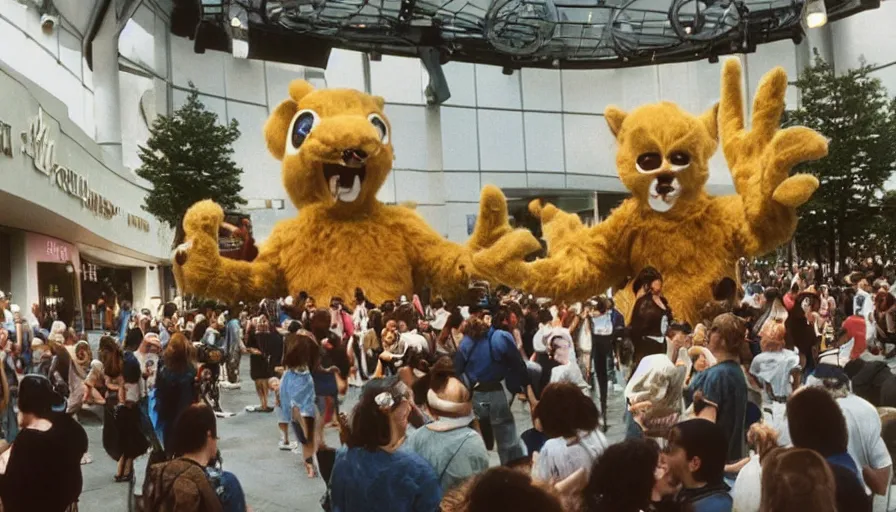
x=853 y=109
x=187 y=158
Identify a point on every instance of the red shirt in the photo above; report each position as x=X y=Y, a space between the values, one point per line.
x=855 y=328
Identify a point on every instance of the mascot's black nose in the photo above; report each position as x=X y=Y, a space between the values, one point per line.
x=354 y=156
x=664 y=184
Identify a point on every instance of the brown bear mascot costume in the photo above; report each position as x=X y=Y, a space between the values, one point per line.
x=335 y=149
x=670 y=222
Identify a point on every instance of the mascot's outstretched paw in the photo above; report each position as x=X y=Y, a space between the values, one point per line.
x=796 y=190
x=196 y=261
x=558 y=228
x=492 y=222
x=762 y=156
x=504 y=261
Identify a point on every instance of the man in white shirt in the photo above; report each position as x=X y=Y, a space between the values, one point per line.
x=866 y=446
x=863 y=305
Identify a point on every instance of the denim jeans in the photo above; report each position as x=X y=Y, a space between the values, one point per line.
x=232 y=497
x=496 y=422
x=9 y=421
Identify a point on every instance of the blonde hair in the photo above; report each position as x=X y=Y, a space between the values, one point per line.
x=772 y=336
x=763 y=437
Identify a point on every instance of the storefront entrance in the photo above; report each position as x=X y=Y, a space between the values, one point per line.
x=56 y=292
x=102 y=288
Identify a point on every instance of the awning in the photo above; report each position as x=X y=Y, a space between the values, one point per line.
x=108 y=258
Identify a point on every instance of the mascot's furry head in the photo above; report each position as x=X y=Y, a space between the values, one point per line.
x=663 y=152
x=334 y=145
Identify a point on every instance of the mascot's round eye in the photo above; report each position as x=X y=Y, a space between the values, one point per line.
x=679 y=158
x=302 y=124
x=380 y=126
x=649 y=162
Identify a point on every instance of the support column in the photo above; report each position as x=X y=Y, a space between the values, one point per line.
x=596 y=207
x=106 y=94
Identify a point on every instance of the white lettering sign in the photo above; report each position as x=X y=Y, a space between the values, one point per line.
x=38 y=146
x=42 y=149
x=58 y=251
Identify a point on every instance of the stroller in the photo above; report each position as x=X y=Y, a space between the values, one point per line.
x=210 y=358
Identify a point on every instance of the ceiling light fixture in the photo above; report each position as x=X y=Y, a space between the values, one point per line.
x=816 y=14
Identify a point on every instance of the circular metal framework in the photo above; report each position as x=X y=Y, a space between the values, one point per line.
x=546 y=33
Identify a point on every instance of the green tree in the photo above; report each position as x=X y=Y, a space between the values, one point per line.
x=187 y=159
x=854 y=110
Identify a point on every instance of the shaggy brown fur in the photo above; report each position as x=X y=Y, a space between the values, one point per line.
x=699 y=238
x=334 y=246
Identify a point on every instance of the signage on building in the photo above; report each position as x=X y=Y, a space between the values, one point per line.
x=42 y=149
x=57 y=251
x=138 y=222
x=5 y=139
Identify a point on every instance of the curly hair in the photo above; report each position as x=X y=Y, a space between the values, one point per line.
x=622 y=479
x=763 y=437
x=564 y=410
x=476 y=328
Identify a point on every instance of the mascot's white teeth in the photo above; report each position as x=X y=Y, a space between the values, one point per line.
x=344 y=182
x=348 y=195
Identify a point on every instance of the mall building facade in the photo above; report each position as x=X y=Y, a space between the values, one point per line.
x=69 y=134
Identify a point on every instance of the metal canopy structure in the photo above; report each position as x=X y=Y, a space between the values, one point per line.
x=513 y=34
x=567 y=34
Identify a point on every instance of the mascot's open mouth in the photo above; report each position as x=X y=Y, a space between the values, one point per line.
x=344 y=182
x=664 y=191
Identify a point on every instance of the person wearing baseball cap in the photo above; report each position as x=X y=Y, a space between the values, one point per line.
x=50 y=444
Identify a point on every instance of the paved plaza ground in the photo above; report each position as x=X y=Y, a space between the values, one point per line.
x=274 y=480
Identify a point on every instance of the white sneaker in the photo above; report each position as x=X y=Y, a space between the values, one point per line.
x=228 y=385
x=287 y=446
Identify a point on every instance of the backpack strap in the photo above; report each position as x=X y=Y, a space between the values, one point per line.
x=442 y=474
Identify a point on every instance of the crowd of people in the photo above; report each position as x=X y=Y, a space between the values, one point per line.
x=780 y=398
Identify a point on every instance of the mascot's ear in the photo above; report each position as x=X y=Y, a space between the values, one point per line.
x=380 y=102
x=277 y=126
x=614 y=117
x=298 y=89
x=710 y=120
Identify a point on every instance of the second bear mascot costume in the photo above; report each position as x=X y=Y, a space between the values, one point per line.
x=336 y=152
x=670 y=222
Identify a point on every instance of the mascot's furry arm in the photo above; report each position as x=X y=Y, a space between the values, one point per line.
x=210 y=275
x=583 y=260
x=670 y=222
x=448 y=267
x=761 y=159
x=335 y=150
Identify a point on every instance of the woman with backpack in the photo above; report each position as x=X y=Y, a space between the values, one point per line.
x=181 y=484
x=487 y=357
